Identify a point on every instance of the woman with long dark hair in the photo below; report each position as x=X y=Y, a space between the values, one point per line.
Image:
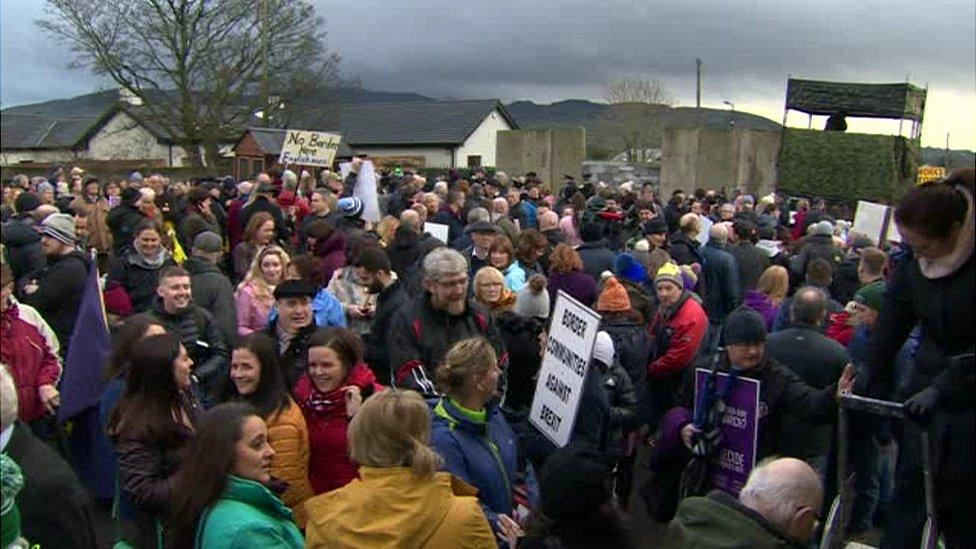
x=150 y=427
x=256 y=378
x=222 y=497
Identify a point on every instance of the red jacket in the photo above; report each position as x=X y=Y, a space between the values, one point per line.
x=840 y=329
x=329 y=466
x=30 y=359
x=686 y=328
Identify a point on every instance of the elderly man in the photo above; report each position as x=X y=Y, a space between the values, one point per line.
x=721 y=275
x=292 y=327
x=424 y=329
x=500 y=217
x=778 y=507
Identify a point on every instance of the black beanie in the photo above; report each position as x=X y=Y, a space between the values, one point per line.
x=592 y=231
x=744 y=325
x=26 y=203
x=130 y=196
x=574 y=483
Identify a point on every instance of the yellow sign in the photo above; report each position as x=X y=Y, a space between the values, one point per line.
x=929 y=173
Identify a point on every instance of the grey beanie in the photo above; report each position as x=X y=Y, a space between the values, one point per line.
x=533 y=299
x=60 y=227
x=823 y=227
x=208 y=242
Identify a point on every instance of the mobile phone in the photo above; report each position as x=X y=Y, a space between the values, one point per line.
x=114 y=201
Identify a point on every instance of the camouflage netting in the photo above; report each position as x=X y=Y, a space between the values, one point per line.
x=862 y=100
x=846 y=165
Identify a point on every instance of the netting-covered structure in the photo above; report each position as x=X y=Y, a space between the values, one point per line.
x=842 y=165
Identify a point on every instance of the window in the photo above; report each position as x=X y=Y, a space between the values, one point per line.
x=474 y=161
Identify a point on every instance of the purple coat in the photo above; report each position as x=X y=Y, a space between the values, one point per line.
x=578 y=284
x=762 y=304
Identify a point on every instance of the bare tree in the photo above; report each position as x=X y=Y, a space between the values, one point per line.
x=201 y=68
x=626 y=90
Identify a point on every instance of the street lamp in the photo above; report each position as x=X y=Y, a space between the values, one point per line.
x=732 y=116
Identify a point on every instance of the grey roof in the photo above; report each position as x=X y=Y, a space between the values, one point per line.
x=37 y=131
x=410 y=123
x=270 y=141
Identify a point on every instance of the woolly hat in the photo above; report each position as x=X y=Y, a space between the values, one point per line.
x=574 y=484
x=603 y=349
x=656 y=226
x=43 y=187
x=669 y=272
x=627 y=266
x=117 y=301
x=60 y=227
x=135 y=177
x=26 y=203
x=350 y=206
x=744 y=325
x=208 y=242
x=130 y=195
x=871 y=295
x=689 y=276
x=823 y=227
x=533 y=299
x=613 y=298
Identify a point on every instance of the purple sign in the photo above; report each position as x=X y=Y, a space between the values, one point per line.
x=736 y=455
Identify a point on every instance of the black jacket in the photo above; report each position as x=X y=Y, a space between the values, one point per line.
x=455 y=225
x=846 y=282
x=213 y=291
x=684 y=250
x=377 y=352
x=819 y=361
x=623 y=415
x=632 y=345
x=521 y=337
x=721 y=276
x=596 y=257
x=58 y=295
x=408 y=248
x=293 y=360
x=122 y=221
x=23 y=246
x=55 y=509
x=421 y=335
x=818 y=246
x=751 y=262
x=138 y=278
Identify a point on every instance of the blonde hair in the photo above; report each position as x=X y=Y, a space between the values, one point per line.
x=392 y=429
x=263 y=290
x=386 y=229
x=774 y=282
x=487 y=274
x=464 y=360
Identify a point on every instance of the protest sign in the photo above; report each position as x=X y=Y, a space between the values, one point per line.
x=365 y=189
x=736 y=455
x=438 y=231
x=572 y=333
x=870 y=219
x=309 y=148
x=929 y=173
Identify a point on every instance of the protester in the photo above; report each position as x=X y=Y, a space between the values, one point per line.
x=256 y=378
x=932 y=285
x=254 y=296
x=566 y=273
x=198 y=217
x=684 y=242
x=778 y=507
x=491 y=292
x=123 y=219
x=55 y=291
x=769 y=293
x=358 y=303
x=330 y=393
x=410 y=244
x=623 y=419
x=751 y=261
x=631 y=341
x=292 y=327
x=325 y=307
x=483 y=235
x=442 y=315
x=471 y=435
x=595 y=251
x=258 y=233
x=139 y=265
x=55 y=510
x=211 y=289
x=150 y=427
x=22 y=243
x=223 y=496
x=501 y=256
x=401 y=500
x=373 y=269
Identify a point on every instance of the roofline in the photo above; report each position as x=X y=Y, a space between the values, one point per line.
x=501 y=109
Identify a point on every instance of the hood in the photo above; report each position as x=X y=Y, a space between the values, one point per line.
x=965 y=242
x=17 y=233
x=720 y=521
x=757 y=301
x=386 y=507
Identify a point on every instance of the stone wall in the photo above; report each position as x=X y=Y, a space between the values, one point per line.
x=550 y=153
x=719 y=158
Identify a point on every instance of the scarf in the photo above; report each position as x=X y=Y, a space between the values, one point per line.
x=963 y=250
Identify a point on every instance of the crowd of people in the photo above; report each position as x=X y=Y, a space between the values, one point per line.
x=285 y=372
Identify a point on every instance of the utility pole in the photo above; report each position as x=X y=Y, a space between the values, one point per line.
x=265 y=81
x=946 y=159
x=698 y=86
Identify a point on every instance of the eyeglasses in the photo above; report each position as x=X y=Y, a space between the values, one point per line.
x=452 y=283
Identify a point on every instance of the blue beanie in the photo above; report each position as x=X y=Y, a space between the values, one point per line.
x=627 y=266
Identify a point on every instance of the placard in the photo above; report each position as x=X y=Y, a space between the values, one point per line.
x=735 y=457
x=929 y=173
x=309 y=148
x=565 y=361
x=438 y=231
x=870 y=219
x=365 y=189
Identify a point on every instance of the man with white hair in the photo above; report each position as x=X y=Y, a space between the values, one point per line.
x=55 y=510
x=721 y=276
x=424 y=329
x=499 y=216
x=778 y=507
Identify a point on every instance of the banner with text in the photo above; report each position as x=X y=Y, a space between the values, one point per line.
x=569 y=345
x=870 y=219
x=309 y=148
x=736 y=455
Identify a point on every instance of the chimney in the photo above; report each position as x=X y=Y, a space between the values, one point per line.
x=129 y=98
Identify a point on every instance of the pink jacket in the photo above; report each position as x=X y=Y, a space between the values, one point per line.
x=252 y=311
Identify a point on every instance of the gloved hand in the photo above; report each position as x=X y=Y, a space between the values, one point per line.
x=923 y=403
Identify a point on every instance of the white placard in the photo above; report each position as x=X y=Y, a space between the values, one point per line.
x=893 y=234
x=870 y=219
x=365 y=189
x=572 y=333
x=308 y=148
x=438 y=231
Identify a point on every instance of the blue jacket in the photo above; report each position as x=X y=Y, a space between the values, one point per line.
x=326 y=308
x=482 y=454
x=721 y=275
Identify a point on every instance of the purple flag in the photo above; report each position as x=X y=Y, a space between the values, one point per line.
x=736 y=455
x=89 y=348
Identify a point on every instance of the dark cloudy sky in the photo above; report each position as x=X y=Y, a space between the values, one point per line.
x=548 y=50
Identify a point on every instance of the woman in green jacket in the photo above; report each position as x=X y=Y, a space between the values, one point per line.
x=226 y=482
